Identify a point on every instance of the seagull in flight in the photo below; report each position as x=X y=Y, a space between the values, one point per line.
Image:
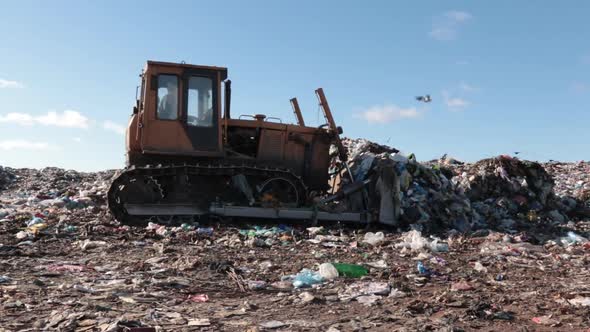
x=425 y=98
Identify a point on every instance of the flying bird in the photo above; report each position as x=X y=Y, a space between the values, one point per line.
x=425 y=98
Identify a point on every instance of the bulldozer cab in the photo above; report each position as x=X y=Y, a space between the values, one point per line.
x=180 y=109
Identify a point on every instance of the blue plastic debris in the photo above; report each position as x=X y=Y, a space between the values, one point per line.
x=423 y=270
x=307 y=278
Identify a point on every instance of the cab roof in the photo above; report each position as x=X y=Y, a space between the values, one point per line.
x=222 y=70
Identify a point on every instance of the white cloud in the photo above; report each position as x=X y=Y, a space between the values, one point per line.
x=112 y=126
x=444 y=27
x=21 y=119
x=468 y=87
x=455 y=103
x=66 y=119
x=458 y=16
x=6 y=84
x=69 y=119
x=387 y=113
x=76 y=139
x=25 y=145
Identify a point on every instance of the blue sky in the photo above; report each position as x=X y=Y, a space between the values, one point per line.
x=504 y=76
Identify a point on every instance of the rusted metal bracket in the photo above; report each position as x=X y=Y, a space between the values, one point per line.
x=342 y=153
x=297 y=112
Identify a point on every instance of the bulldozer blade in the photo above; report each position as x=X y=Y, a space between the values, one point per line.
x=284 y=213
x=163 y=210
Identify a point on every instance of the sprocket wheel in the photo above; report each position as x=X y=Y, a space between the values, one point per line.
x=278 y=192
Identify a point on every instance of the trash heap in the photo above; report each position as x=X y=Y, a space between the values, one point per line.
x=358 y=146
x=505 y=191
x=527 y=183
x=502 y=193
x=571 y=179
x=421 y=195
x=6 y=177
x=37 y=199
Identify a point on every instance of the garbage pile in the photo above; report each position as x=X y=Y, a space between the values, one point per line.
x=502 y=193
x=6 y=177
x=406 y=192
x=355 y=147
x=525 y=182
x=34 y=199
x=571 y=179
x=506 y=192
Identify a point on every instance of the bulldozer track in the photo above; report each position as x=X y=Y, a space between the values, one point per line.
x=157 y=173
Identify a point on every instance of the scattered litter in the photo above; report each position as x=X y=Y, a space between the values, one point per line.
x=423 y=270
x=480 y=268
x=328 y=271
x=374 y=238
x=572 y=238
x=508 y=233
x=199 y=322
x=380 y=264
x=461 y=286
x=306 y=297
x=350 y=270
x=88 y=244
x=580 y=301
x=368 y=300
x=545 y=320
x=307 y=278
x=273 y=324
x=256 y=284
x=198 y=298
x=415 y=241
x=360 y=288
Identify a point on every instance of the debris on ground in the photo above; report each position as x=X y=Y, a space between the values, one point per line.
x=472 y=246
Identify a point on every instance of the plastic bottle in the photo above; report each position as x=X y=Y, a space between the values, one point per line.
x=350 y=270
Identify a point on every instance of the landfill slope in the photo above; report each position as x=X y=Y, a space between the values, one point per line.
x=496 y=245
x=500 y=193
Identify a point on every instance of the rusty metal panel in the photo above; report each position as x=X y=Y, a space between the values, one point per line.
x=294 y=157
x=132 y=134
x=271 y=145
x=298 y=152
x=320 y=162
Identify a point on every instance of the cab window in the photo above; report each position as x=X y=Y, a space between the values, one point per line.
x=200 y=102
x=167 y=97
